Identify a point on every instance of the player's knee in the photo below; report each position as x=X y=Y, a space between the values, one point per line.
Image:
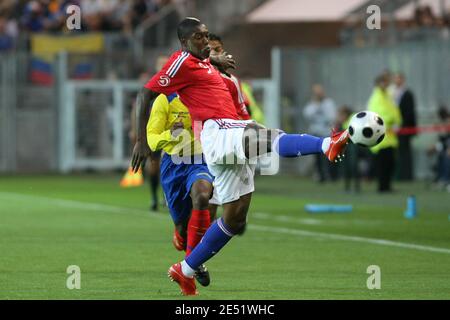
x=237 y=226
x=200 y=199
x=241 y=227
x=256 y=141
x=201 y=193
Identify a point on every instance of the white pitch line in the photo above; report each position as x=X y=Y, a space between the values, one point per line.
x=333 y=236
x=73 y=204
x=115 y=209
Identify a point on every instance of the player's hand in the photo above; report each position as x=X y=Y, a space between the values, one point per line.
x=176 y=129
x=225 y=61
x=141 y=152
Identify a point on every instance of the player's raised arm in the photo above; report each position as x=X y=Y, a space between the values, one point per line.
x=141 y=149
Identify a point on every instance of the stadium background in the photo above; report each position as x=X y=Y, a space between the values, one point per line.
x=65 y=101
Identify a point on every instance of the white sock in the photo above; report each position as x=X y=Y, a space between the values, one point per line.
x=326 y=144
x=187 y=270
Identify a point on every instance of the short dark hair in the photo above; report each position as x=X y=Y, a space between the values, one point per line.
x=215 y=37
x=380 y=78
x=186 y=27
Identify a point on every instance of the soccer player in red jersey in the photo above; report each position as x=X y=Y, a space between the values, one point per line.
x=230 y=145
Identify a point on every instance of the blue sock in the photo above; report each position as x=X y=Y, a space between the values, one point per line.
x=294 y=145
x=215 y=238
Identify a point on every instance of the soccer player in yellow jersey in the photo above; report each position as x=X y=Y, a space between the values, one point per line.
x=185 y=178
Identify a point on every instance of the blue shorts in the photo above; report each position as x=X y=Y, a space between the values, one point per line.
x=176 y=181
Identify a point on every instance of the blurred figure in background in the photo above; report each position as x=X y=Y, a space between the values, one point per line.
x=351 y=163
x=404 y=99
x=320 y=114
x=36 y=17
x=442 y=149
x=7 y=38
x=382 y=103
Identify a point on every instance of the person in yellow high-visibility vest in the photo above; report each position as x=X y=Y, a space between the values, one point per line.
x=382 y=103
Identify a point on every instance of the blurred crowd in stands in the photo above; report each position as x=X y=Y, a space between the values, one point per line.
x=424 y=17
x=423 y=24
x=17 y=16
x=426 y=21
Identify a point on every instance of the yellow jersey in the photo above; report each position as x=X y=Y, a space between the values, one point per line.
x=166 y=111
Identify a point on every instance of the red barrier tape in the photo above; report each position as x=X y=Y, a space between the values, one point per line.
x=423 y=129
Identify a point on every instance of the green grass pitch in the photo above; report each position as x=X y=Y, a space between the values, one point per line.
x=50 y=222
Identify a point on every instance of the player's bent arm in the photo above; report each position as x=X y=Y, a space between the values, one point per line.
x=141 y=149
x=144 y=100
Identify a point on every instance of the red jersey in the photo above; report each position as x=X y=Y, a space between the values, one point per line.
x=234 y=86
x=198 y=84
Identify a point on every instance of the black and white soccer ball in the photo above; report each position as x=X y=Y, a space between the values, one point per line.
x=366 y=128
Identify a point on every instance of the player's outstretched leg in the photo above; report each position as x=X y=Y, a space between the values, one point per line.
x=293 y=145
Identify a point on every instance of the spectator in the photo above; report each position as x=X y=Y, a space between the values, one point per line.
x=404 y=99
x=92 y=14
x=35 y=17
x=382 y=103
x=141 y=10
x=7 y=34
x=320 y=114
x=442 y=148
x=120 y=16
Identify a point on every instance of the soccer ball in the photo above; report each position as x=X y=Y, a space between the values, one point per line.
x=366 y=128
